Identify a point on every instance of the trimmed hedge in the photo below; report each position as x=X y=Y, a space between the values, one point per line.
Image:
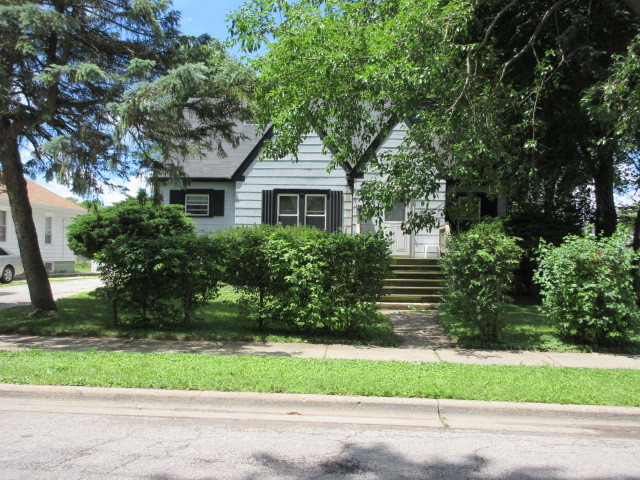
x=308 y=278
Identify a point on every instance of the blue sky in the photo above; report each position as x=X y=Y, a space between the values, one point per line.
x=198 y=17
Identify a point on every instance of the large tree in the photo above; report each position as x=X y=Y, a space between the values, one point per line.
x=96 y=90
x=499 y=92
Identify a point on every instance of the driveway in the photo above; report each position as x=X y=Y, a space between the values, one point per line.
x=14 y=295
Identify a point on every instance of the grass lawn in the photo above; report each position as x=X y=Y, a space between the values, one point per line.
x=85 y=315
x=82 y=266
x=336 y=377
x=527 y=329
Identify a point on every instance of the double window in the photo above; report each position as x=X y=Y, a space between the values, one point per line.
x=302 y=209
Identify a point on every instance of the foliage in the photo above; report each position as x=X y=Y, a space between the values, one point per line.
x=157 y=281
x=479 y=269
x=587 y=287
x=500 y=85
x=531 y=225
x=88 y=234
x=97 y=91
x=308 y=278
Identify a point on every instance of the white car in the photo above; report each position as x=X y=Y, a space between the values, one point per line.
x=10 y=266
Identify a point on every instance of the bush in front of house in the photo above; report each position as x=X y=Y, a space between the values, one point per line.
x=160 y=282
x=307 y=278
x=326 y=281
x=131 y=218
x=479 y=270
x=587 y=287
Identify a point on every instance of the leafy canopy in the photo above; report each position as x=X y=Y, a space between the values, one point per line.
x=495 y=90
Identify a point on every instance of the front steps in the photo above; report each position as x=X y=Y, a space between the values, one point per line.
x=416 y=283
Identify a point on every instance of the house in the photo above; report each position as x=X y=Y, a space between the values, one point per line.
x=241 y=190
x=51 y=215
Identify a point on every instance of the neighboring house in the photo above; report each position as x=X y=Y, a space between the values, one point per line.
x=241 y=190
x=52 y=214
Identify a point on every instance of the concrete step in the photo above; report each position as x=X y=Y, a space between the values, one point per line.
x=407 y=306
x=414 y=282
x=434 y=268
x=408 y=298
x=412 y=290
x=416 y=274
x=415 y=261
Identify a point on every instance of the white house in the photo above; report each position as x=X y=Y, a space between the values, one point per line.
x=241 y=190
x=52 y=214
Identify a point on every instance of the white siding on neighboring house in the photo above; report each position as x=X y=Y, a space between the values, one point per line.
x=424 y=243
x=57 y=250
x=206 y=223
x=309 y=173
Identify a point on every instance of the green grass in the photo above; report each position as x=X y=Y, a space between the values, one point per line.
x=335 y=377
x=85 y=315
x=82 y=266
x=527 y=329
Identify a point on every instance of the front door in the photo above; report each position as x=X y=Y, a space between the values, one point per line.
x=401 y=245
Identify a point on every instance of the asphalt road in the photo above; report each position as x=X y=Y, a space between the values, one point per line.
x=14 y=295
x=53 y=438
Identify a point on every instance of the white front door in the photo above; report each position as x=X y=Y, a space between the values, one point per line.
x=392 y=222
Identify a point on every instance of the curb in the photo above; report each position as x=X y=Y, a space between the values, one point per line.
x=326 y=409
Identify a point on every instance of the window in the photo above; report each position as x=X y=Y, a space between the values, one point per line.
x=3 y=226
x=288 y=209
x=48 y=230
x=307 y=209
x=397 y=213
x=196 y=204
x=323 y=209
x=316 y=211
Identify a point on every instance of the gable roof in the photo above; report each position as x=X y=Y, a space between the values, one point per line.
x=39 y=194
x=213 y=166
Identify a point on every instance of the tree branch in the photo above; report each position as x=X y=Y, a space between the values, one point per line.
x=533 y=37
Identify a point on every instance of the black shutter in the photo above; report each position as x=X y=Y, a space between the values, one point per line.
x=176 y=197
x=335 y=211
x=488 y=207
x=216 y=203
x=269 y=215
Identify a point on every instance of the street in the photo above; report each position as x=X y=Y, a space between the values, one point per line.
x=47 y=438
x=14 y=295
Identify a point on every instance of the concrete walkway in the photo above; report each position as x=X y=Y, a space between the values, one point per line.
x=421 y=339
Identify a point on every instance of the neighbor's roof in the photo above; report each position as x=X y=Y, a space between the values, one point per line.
x=39 y=194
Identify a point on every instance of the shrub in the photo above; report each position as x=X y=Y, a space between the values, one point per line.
x=160 y=281
x=308 y=278
x=587 y=287
x=132 y=218
x=478 y=268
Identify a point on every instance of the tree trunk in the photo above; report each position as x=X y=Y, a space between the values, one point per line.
x=606 y=217
x=34 y=269
x=636 y=246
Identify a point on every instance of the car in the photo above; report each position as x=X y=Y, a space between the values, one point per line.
x=10 y=266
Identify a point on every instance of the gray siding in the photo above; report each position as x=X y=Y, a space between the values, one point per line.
x=310 y=172
x=424 y=243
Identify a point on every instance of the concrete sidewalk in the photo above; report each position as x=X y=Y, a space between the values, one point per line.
x=309 y=350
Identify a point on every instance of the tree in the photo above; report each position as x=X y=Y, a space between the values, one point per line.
x=132 y=218
x=98 y=90
x=498 y=92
